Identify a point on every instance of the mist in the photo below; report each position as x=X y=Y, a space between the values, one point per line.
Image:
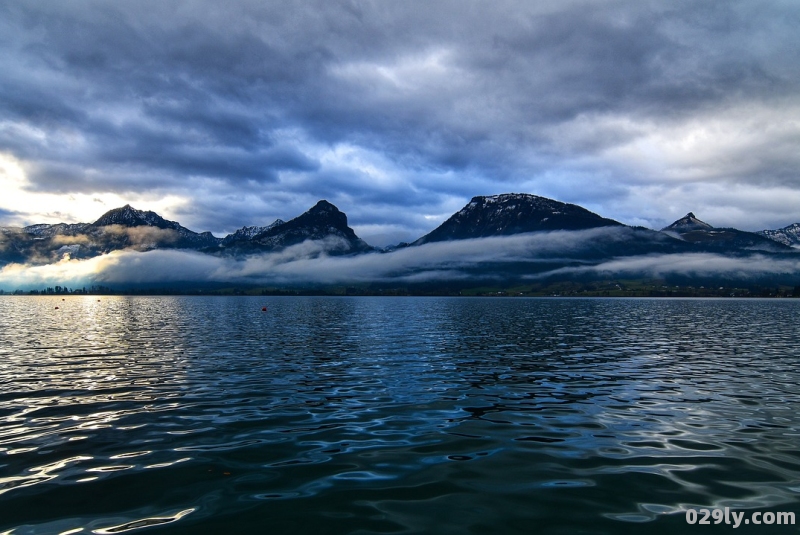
x=691 y=264
x=310 y=263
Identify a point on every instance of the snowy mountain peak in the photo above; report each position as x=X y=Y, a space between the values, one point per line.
x=181 y=237
x=513 y=201
x=692 y=230
x=48 y=231
x=504 y=197
x=320 y=222
x=787 y=235
x=248 y=233
x=688 y=223
x=513 y=213
x=129 y=216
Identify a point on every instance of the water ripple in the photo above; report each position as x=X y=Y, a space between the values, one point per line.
x=368 y=415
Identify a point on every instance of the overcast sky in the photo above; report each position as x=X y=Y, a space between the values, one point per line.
x=224 y=114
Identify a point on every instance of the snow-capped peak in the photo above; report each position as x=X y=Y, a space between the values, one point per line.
x=787 y=235
x=688 y=223
x=129 y=216
x=513 y=213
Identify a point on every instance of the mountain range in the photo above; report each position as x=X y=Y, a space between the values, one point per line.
x=692 y=230
x=560 y=237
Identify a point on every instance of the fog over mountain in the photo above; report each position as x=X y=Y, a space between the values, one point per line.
x=541 y=254
x=503 y=238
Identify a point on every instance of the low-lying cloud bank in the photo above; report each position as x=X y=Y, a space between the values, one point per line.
x=545 y=253
x=688 y=264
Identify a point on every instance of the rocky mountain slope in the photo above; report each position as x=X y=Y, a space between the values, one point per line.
x=787 y=235
x=513 y=213
x=322 y=222
x=560 y=226
x=247 y=233
x=704 y=236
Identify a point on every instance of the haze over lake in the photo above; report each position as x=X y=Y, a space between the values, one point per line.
x=364 y=415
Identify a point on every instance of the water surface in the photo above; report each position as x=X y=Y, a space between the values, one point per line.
x=394 y=415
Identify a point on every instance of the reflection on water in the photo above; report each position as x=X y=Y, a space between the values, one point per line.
x=393 y=415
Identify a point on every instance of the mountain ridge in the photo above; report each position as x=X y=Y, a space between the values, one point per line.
x=513 y=213
x=483 y=217
x=687 y=223
x=788 y=235
x=322 y=221
x=248 y=232
x=691 y=229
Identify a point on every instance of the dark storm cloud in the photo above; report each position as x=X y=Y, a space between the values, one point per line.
x=7 y=213
x=590 y=102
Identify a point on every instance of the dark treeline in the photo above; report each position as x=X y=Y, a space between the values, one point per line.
x=614 y=288
x=63 y=290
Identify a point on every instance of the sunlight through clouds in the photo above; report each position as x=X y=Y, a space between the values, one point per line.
x=51 y=208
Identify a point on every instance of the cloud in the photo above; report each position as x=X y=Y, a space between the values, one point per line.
x=691 y=264
x=137 y=237
x=61 y=240
x=5 y=241
x=259 y=109
x=540 y=254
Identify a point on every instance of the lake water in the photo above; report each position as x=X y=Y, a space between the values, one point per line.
x=394 y=415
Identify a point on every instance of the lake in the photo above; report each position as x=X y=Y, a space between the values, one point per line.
x=326 y=415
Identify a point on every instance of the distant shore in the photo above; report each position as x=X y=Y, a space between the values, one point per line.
x=616 y=288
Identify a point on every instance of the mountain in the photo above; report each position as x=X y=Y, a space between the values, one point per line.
x=175 y=235
x=322 y=222
x=527 y=237
x=513 y=213
x=59 y=229
x=117 y=229
x=787 y=235
x=128 y=216
x=706 y=237
x=129 y=228
x=247 y=233
x=687 y=223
